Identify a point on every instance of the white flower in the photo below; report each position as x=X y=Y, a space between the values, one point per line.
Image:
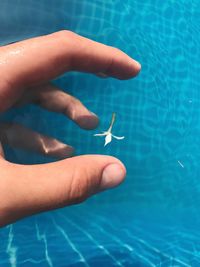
x=108 y=134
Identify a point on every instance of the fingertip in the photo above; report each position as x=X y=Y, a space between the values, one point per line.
x=132 y=70
x=88 y=122
x=62 y=151
x=123 y=67
x=113 y=175
x=138 y=66
x=67 y=152
x=110 y=170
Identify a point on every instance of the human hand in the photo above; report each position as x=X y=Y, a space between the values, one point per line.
x=26 y=68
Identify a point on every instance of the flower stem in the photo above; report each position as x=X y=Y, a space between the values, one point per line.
x=112 y=121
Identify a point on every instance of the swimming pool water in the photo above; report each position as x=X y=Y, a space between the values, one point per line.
x=153 y=218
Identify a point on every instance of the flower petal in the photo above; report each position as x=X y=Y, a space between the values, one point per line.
x=103 y=134
x=118 y=137
x=108 y=139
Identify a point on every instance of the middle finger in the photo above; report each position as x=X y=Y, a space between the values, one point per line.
x=54 y=99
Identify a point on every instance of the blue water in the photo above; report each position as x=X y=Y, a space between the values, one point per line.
x=153 y=218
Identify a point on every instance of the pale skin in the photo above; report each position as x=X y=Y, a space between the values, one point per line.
x=26 y=69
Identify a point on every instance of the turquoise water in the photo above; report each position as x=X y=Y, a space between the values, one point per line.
x=153 y=218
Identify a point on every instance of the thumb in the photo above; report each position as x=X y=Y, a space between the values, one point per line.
x=37 y=188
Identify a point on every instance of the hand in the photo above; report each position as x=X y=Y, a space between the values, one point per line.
x=26 y=68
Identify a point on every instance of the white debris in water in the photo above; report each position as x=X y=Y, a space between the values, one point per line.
x=181 y=164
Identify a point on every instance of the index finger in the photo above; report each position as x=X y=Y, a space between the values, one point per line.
x=43 y=58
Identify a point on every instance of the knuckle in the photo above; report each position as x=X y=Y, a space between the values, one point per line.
x=70 y=40
x=65 y=36
x=69 y=111
x=116 y=50
x=71 y=107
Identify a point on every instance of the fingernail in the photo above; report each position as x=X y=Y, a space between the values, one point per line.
x=92 y=113
x=138 y=65
x=102 y=75
x=112 y=176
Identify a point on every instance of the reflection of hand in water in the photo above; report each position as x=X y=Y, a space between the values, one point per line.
x=26 y=69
